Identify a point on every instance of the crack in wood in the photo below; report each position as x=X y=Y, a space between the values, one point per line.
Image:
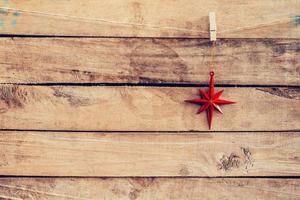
x=290 y=93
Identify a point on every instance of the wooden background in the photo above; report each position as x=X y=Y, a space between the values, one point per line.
x=92 y=100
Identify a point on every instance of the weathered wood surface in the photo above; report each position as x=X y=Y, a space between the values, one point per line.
x=148 y=188
x=69 y=60
x=149 y=154
x=183 y=18
x=109 y=108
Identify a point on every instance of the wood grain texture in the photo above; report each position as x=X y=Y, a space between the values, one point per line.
x=85 y=60
x=148 y=188
x=149 y=154
x=108 y=108
x=132 y=18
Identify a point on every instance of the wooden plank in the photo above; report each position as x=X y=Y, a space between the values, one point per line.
x=149 y=154
x=69 y=60
x=109 y=108
x=149 y=188
x=139 y=18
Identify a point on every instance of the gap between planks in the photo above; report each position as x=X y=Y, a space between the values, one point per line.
x=20 y=36
x=169 y=85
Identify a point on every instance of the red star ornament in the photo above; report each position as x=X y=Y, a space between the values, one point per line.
x=210 y=100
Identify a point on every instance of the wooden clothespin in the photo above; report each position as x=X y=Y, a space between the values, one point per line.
x=212 y=26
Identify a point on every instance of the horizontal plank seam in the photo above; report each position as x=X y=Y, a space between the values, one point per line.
x=152 y=85
x=149 y=132
x=134 y=37
x=156 y=177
